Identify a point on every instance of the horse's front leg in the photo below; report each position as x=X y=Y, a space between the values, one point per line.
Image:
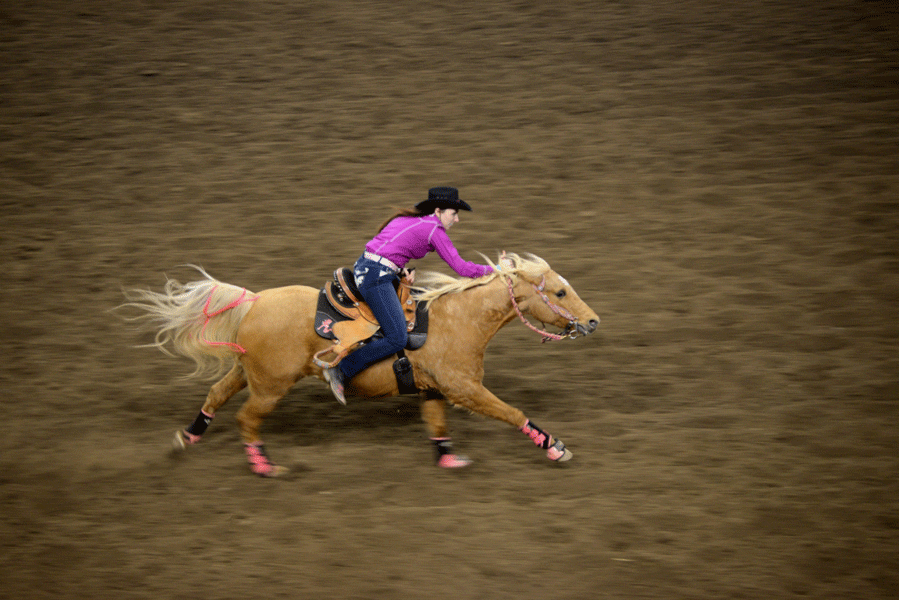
x=433 y=412
x=249 y=420
x=482 y=401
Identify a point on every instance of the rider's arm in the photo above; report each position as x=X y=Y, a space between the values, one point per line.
x=447 y=251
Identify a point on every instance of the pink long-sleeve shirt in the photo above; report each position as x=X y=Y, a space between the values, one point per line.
x=409 y=238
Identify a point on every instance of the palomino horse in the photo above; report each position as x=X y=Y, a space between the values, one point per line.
x=269 y=340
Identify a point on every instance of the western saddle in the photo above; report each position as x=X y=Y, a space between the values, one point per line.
x=344 y=317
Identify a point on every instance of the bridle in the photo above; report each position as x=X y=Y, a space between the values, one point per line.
x=571 y=330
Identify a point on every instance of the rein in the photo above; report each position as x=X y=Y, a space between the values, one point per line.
x=547 y=336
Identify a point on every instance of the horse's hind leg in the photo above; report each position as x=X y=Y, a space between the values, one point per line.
x=433 y=412
x=219 y=393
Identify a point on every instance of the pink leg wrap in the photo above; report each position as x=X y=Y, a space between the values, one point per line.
x=445 y=457
x=537 y=435
x=258 y=459
x=453 y=461
x=555 y=449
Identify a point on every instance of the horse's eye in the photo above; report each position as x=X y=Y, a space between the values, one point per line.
x=560 y=294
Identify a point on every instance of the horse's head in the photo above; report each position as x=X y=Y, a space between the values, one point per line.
x=535 y=289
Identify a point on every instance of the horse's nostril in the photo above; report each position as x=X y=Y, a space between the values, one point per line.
x=593 y=323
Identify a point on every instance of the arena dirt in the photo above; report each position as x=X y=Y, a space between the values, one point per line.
x=717 y=180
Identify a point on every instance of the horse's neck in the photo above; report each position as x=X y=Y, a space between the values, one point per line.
x=486 y=307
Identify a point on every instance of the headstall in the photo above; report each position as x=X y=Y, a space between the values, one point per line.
x=547 y=336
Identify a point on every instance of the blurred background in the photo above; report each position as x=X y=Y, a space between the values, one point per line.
x=718 y=181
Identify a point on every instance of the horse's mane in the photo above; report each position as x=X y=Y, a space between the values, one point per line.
x=430 y=285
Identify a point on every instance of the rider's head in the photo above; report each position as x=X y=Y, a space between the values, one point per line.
x=442 y=198
x=443 y=202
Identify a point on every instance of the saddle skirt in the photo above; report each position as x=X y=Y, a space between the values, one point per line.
x=343 y=316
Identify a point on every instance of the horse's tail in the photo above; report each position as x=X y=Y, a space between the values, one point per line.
x=198 y=320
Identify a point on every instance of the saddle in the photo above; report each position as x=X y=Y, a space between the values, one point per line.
x=344 y=317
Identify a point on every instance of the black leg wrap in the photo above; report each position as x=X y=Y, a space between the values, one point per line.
x=442 y=446
x=198 y=427
x=405 y=378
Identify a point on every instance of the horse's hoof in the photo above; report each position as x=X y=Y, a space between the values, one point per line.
x=558 y=452
x=180 y=441
x=453 y=461
x=274 y=471
x=183 y=439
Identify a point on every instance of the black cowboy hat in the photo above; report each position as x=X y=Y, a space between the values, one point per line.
x=442 y=197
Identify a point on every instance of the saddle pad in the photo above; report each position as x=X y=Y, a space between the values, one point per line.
x=326 y=316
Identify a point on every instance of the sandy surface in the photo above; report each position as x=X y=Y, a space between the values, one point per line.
x=717 y=180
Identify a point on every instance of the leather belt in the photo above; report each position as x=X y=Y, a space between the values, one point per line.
x=381 y=260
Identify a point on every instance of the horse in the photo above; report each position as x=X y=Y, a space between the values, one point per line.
x=266 y=342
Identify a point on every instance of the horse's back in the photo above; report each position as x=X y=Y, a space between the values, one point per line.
x=290 y=293
x=282 y=307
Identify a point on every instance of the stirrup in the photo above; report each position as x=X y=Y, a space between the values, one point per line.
x=339 y=353
x=334 y=379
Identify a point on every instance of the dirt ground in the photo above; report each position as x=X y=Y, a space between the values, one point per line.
x=718 y=181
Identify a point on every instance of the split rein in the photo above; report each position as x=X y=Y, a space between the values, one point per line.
x=547 y=336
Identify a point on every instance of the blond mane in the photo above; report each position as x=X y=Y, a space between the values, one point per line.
x=430 y=285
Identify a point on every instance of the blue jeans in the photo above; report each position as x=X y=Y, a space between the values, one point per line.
x=375 y=283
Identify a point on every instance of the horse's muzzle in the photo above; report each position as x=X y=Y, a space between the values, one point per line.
x=587 y=329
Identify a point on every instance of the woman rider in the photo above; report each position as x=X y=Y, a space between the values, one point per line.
x=407 y=235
